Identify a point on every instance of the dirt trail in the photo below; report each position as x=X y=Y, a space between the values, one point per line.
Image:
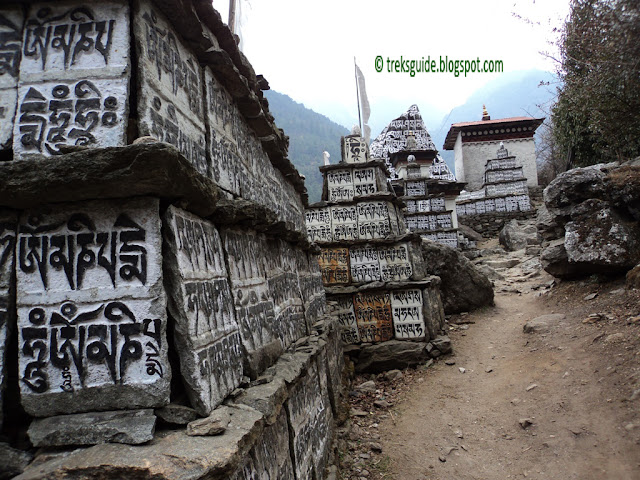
x=573 y=383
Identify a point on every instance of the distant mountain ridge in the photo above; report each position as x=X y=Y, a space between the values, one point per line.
x=310 y=134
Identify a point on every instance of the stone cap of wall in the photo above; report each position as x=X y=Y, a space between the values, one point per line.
x=156 y=169
x=431 y=280
x=391 y=240
x=379 y=196
x=376 y=162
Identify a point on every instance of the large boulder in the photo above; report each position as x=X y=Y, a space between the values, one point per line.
x=517 y=235
x=394 y=354
x=574 y=187
x=463 y=286
x=633 y=277
x=548 y=227
x=600 y=237
x=624 y=188
x=593 y=214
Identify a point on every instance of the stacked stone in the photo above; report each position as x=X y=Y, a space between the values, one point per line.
x=504 y=189
x=371 y=268
x=430 y=206
x=158 y=279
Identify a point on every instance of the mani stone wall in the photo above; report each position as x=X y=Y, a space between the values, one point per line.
x=503 y=196
x=372 y=269
x=156 y=282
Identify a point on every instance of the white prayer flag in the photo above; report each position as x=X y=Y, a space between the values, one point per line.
x=364 y=104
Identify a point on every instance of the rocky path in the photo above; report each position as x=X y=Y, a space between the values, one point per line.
x=561 y=402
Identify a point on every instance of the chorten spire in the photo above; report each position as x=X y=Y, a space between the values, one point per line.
x=485 y=114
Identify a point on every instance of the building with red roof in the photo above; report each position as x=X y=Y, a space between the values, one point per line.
x=474 y=143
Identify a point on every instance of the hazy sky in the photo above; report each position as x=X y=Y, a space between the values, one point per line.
x=306 y=49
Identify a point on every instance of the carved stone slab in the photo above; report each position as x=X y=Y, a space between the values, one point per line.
x=340 y=185
x=334 y=365
x=170 y=96
x=91 y=307
x=365 y=266
x=344 y=222
x=227 y=168
x=415 y=188
x=284 y=290
x=318 y=222
x=395 y=263
x=200 y=302
x=270 y=457
x=74 y=77
x=254 y=306
x=334 y=266
x=430 y=221
x=312 y=288
x=406 y=309
x=310 y=423
x=373 y=220
x=364 y=181
x=433 y=311
x=8 y=226
x=354 y=149
x=11 y=21
x=373 y=314
x=446 y=238
x=341 y=308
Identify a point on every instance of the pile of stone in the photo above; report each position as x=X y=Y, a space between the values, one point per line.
x=504 y=196
x=154 y=263
x=372 y=270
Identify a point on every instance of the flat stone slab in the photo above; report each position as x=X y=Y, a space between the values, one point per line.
x=176 y=414
x=394 y=354
x=172 y=455
x=543 y=323
x=12 y=461
x=502 y=263
x=123 y=426
x=144 y=169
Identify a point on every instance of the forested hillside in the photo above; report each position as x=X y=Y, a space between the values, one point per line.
x=310 y=134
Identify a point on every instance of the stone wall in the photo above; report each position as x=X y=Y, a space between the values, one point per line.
x=143 y=286
x=490 y=224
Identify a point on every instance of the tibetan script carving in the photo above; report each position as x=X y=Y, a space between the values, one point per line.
x=65 y=36
x=408 y=319
x=373 y=315
x=99 y=332
x=89 y=113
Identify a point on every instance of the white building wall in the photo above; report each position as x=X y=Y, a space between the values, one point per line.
x=475 y=155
